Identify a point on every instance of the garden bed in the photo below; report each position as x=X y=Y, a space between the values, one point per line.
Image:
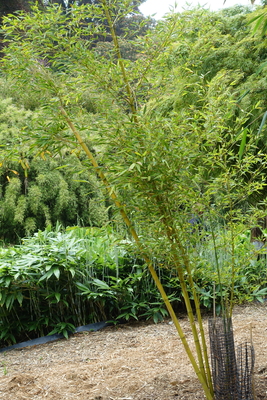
x=135 y=361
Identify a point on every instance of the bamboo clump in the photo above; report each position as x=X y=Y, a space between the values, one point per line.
x=202 y=369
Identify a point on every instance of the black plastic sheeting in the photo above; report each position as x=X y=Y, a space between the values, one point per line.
x=51 y=338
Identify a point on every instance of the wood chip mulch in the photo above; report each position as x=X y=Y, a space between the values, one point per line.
x=135 y=361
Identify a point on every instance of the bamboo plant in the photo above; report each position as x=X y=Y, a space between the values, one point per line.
x=155 y=169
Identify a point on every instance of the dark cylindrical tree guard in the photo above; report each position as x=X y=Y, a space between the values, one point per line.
x=245 y=367
x=232 y=373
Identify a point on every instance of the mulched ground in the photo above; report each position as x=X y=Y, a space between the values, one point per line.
x=135 y=361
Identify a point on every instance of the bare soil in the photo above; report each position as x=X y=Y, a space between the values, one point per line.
x=135 y=361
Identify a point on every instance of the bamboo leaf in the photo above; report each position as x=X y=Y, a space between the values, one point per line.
x=57 y=296
x=263 y=65
x=101 y=284
x=9 y=301
x=243 y=144
x=56 y=272
x=20 y=297
x=47 y=275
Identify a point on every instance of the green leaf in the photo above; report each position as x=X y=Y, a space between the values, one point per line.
x=101 y=284
x=55 y=330
x=9 y=301
x=243 y=144
x=57 y=296
x=65 y=333
x=261 y=67
x=56 y=272
x=20 y=297
x=82 y=287
x=47 y=275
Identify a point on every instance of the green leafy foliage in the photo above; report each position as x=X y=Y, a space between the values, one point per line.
x=36 y=192
x=175 y=139
x=58 y=280
x=166 y=138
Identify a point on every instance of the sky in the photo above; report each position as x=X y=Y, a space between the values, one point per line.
x=161 y=7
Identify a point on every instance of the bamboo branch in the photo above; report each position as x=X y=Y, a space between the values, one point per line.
x=120 y=61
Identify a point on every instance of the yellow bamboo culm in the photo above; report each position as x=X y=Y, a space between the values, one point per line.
x=205 y=369
x=113 y=196
x=174 y=239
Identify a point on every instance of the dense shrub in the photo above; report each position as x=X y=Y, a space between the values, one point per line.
x=56 y=280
